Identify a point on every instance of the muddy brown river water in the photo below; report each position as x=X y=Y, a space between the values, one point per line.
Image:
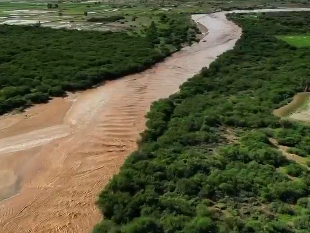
x=55 y=158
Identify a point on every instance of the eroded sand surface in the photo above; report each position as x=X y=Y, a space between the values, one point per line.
x=60 y=168
x=36 y=117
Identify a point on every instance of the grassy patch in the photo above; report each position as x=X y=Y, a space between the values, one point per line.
x=297 y=40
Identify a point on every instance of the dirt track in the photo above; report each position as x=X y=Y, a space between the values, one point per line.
x=62 y=166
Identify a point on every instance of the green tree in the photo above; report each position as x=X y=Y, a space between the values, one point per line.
x=142 y=225
x=201 y=225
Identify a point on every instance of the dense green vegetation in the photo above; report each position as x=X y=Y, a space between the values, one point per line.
x=112 y=18
x=37 y=62
x=214 y=158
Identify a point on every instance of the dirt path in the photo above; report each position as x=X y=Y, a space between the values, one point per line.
x=63 y=167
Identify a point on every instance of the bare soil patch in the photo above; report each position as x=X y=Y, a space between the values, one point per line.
x=203 y=30
x=303 y=113
x=8 y=183
x=37 y=117
x=14 y=169
x=299 y=100
x=284 y=150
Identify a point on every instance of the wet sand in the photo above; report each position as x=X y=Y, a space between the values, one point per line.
x=65 y=163
x=37 y=117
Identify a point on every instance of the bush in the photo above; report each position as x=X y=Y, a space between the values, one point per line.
x=295 y=169
x=304 y=202
x=302 y=222
x=142 y=225
x=109 y=19
x=201 y=225
x=296 y=151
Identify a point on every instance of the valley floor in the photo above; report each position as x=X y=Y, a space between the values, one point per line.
x=63 y=167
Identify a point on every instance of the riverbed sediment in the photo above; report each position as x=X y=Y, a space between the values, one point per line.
x=65 y=166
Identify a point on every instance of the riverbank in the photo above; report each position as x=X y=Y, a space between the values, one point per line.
x=214 y=158
x=67 y=174
x=63 y=178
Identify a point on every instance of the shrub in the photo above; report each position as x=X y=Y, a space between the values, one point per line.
x=295 y=169
x=296 y=151
x=106 y=19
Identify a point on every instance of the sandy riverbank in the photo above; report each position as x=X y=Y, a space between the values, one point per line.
x=60 y=172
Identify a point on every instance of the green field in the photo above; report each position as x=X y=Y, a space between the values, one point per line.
x=297 y=40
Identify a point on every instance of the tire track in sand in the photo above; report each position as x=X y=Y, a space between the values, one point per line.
x=107 y=121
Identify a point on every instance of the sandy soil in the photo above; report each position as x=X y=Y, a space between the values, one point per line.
x=297 y=109
x=63 y=167
x=298 y=100
x=36 y=117
x=302 y=113
x=203 y=30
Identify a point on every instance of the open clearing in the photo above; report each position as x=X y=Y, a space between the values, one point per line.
x=298 y=100
x=297 y=109
x=297 y=40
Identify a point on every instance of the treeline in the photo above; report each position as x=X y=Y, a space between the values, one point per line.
x=283 y=23
x=51 y=5
x=209 y=160
x=37 y=63
x=108 y=19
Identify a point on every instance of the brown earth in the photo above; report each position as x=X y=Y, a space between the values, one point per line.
x=298 y=109
x=60 y=165
x=298 y=100
x=293 y=157
x=37 y=117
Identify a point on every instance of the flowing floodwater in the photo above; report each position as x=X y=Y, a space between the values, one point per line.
x=59 y=170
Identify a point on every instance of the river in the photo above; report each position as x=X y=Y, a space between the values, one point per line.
x=64 y=165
